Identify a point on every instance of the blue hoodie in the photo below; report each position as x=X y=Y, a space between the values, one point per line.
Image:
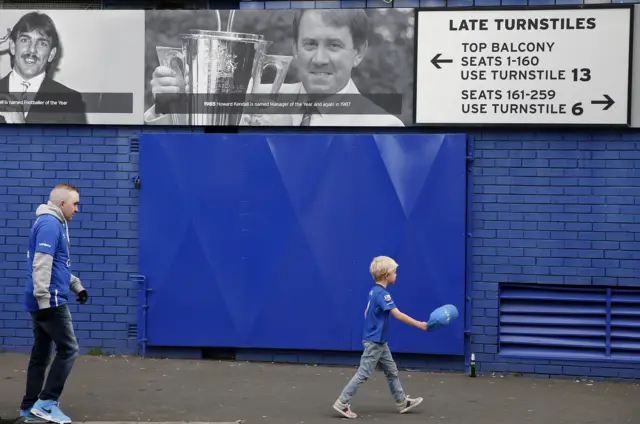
x=49 y=277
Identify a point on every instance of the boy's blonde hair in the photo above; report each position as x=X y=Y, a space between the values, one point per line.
x=381 y=266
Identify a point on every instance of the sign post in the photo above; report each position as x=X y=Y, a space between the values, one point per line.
x=530 y=66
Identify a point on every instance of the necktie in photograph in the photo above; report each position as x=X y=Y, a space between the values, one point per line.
x=25 y=107
x=308 y=114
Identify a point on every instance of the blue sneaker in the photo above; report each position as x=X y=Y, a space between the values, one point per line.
x=48 y=410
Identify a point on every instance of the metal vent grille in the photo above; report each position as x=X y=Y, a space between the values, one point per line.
x=132 y=331
x=570 y=322
x=134 y=145
x=43 y=5
x=625 y=324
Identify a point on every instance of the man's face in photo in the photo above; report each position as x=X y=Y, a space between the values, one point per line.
x=32 y=52
x=325 y=54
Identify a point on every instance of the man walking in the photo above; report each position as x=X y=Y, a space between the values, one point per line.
x=49 y=281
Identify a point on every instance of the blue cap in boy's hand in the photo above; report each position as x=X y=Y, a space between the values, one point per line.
x=442 y=316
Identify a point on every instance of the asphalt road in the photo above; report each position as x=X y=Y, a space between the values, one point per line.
x=134 y=389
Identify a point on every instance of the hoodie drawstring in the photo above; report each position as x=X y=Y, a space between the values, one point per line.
x=66 y=228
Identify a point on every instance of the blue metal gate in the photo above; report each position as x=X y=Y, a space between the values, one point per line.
x=264 y=241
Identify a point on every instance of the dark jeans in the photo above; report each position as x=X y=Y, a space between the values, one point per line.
x=50 y=326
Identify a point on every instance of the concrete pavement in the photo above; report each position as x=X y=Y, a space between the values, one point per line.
x=110 y=389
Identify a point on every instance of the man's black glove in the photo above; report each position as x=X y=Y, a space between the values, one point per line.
x=82 y=297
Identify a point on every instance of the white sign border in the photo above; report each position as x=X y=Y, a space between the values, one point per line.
x=495 y=125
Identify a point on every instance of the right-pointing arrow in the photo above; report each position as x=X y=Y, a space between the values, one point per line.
x=437 y=61
x=608 y=102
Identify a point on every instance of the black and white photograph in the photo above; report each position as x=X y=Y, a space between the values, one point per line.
x=71 y=67
x=280 y=68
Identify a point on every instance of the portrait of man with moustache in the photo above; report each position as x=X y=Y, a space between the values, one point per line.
x=34 y=45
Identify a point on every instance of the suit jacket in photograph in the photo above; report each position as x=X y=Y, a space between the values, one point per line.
x=38 y=114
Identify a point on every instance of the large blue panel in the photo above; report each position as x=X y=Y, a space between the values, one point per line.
x=265 y=241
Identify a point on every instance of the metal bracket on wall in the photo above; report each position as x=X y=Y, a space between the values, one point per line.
x=136 y=181
x=470 y=149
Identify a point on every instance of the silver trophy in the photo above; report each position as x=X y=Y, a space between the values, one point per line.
x=220 y=67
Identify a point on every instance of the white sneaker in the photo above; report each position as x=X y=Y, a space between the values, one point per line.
x=408 y=404
x=344 y=409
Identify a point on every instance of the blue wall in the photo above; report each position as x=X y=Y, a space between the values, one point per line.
x=266 y=220
x=103 y=235
x=533 y=195
x=553 y=209
x=522 y=229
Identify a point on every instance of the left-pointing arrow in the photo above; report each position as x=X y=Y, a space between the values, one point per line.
x=437 y=61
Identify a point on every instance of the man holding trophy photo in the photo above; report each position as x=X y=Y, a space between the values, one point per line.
x=328 y=44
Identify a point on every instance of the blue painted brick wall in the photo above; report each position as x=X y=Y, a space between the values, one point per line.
x=552 y=209
x=533 y=194
x=104 y=234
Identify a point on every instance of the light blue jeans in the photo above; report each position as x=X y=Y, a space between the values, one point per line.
x=373 y=354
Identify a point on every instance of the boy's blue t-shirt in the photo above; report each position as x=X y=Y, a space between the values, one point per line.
x=376 y=319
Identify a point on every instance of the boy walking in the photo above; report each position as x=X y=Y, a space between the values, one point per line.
x=376 y=315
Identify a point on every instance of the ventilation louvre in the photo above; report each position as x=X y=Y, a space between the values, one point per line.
x=134 y=145
x=132 y=331
x=569 y=322
x=625 y=325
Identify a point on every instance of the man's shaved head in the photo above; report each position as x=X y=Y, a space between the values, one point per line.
x=67 y=198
